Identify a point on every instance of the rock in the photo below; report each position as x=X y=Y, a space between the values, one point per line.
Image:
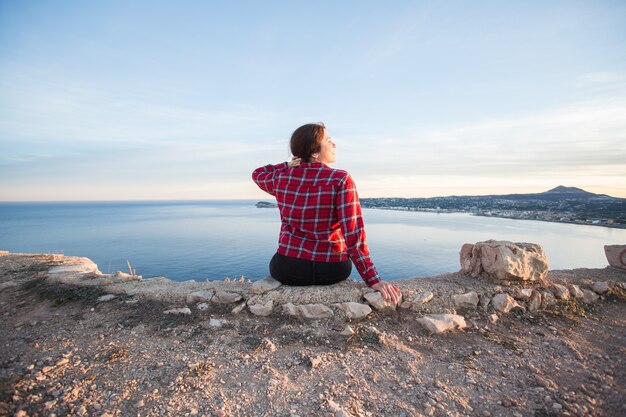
x=575 y=291
x=225 y=297
x=201 y=296
x=216 y=323
x=616 y=255
x=467 y=300
x=267 y=344
x=547 y=300
x=534 y=303
x=105 y=298
x=354 y=310
x=337 y=410
x=422 y=298
x=266 y=284
x=176 y=311
x=376 y=300
x=406 y=304
x=483 y=301
x=589 y=296
x=262 y=309
x=522 y=293
x=504 y=260
x=439 y=323
x=600 y=287
x=560 y=292
x=239 y=308
x=493 y=318
x=202 y=306
x=73 y=267
x=504 y=303
x=347 y=331
x=308 y=311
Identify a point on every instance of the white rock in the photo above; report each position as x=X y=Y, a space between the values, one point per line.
x=216 y=323
x=560 y=292
x=467 y=300
x=600 y=287
x=589 y=296
x=184 y=311
x=308 y=311
x=439 y=323
x=199 y=296
x=493 y=318
x=262 y=309
x=616 y=255
x=575 y=291
x=523 y=293
x=503 y=302
x=376 y=300
x=266 y=284
x=423 y=298
x=107 y=297
x=225 y=297
x=354 y=310
x=504 y=260
x=347 y=331
x=239 y=308
x=202 y=306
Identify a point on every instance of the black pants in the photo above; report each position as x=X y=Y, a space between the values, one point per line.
x=300 y=272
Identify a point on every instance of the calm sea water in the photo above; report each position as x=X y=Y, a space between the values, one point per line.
x=217 y=239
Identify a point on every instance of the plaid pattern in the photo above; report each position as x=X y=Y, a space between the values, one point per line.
x=320 y=214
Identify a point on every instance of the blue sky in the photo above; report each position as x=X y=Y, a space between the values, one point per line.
x=133 y=100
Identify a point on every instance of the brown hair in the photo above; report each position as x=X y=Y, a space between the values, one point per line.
x=306 y=140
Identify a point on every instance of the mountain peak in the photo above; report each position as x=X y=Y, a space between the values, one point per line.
x=569 y=190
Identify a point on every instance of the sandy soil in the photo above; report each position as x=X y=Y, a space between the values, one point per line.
x=63 y=353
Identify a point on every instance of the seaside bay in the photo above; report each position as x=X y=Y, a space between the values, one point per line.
x=217 y=239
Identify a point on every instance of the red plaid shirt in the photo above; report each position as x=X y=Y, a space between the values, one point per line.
x=320 y=214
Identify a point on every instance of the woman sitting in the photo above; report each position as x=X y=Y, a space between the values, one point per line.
x=322 y=228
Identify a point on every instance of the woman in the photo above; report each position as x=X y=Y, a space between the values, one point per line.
x=322 y=229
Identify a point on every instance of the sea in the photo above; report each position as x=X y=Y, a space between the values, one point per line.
x=200 y=240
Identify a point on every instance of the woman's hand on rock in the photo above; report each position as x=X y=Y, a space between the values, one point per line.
x=390 y=292
x=295 y=162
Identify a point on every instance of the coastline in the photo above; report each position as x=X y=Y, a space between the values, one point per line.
x=69 y=352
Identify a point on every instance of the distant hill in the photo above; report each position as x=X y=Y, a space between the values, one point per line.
x=561 y=203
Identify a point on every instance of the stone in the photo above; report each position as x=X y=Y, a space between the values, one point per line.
x=503 y=302
x=238 y=308
x=226 y=297
x=406 y=304
x=522 y=293
x=560 y=292
x=440 y=323
x=467 y=300
x=308 y=311
x=483 y=301
x=422 y=298
x=616 y=255
x=105 y=298
x=575 y=291
x=199 y=296
x=73 y=267
x=202 y=306
x=376 y=300
x=600 y=287
x=493 y=318
x=547 y=300
x=589 y=296
x=178 y=311
x=347 y=331
x=262 y=309
x=216 y=323
x=504 y=260
x=354 y=310
x=534 y=302
x=265 y=285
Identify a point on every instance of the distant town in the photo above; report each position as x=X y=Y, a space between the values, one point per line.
x=561 y=204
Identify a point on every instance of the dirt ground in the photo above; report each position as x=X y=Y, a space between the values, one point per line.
x=63 y=353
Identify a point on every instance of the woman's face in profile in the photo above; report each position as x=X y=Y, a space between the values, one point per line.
x=327 y=151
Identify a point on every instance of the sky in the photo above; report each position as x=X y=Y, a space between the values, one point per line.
x=182 y=100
